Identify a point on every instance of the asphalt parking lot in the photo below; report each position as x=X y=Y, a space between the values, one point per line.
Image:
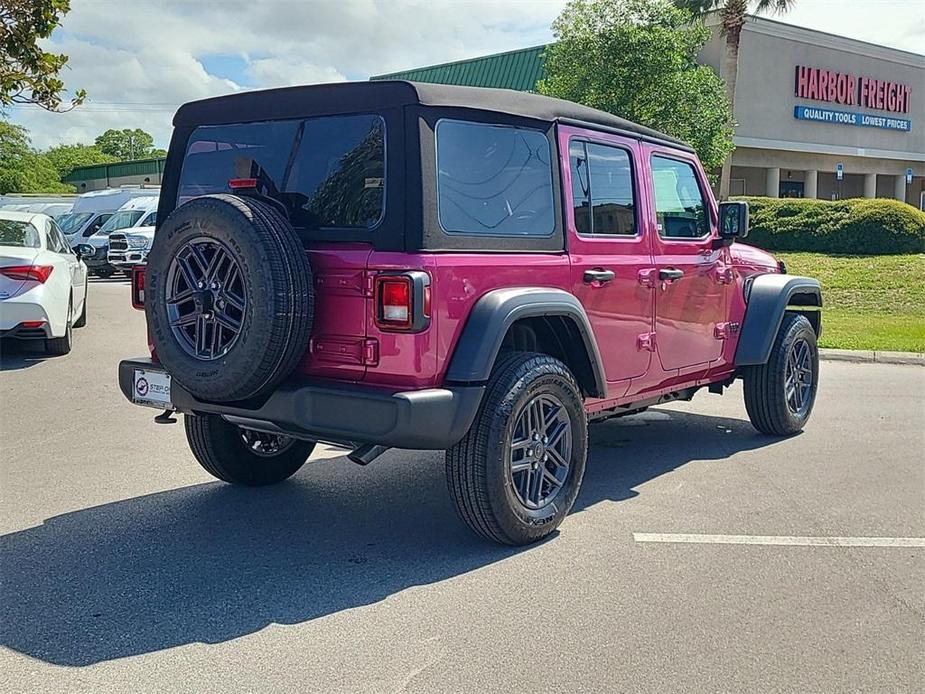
x=125 y=567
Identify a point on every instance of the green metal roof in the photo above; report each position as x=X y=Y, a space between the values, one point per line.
x=138 y=167
x=520 y=70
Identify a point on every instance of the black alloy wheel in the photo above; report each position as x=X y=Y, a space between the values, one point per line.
x=206 y=298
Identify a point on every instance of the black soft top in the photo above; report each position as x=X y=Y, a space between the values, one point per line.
x=351 y=97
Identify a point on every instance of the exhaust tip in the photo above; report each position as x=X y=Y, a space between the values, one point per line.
x=366 y=453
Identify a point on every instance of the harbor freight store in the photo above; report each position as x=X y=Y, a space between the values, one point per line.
x=819 y=116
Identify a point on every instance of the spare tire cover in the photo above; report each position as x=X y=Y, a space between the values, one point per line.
x=229 y=297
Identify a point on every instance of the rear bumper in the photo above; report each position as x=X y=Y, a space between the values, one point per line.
x=435 y=418
x=21 y=332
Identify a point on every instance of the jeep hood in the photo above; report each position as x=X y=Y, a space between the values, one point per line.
x=748 y=256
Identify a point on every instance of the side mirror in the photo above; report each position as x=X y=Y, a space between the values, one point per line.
x=82 y=249
x=733 y=220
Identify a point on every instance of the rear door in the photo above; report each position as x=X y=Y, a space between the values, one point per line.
x=693 y=275
x=609 y=251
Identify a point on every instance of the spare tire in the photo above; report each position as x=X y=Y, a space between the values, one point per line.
x=229 y=297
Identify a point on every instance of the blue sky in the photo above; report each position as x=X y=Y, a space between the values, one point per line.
x=139 y=60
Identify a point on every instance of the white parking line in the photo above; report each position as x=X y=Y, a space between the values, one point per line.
x=781 y=540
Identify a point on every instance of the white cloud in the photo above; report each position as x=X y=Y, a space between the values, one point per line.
x=139 y=60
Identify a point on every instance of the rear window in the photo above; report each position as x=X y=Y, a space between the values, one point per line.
x=329 y=172
x=19 y=234
x=494 y=180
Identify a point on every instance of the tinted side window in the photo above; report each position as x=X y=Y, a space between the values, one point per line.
x=56 y=240
x=494 y=180
x=679 y=205
x=150 y=220
x=602 y=182
x=581 y=186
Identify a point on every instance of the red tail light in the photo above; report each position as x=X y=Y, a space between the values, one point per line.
x=402 y=301
x=138 y=287
x=35 y=273
x=395 y=303
x=241 y=183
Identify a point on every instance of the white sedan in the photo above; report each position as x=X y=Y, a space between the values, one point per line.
x=43 y=284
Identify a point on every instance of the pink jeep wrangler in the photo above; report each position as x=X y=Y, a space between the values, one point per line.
x=389 y=264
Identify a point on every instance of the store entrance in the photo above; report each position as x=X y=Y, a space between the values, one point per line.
x=791 y=189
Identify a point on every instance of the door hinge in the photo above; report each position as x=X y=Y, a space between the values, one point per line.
x=647 y=277
x=723 y=330
x=646 y=341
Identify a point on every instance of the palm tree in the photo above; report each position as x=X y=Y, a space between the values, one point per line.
x=732 y=15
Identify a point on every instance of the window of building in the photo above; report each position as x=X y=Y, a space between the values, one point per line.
x=680 y=209
x=494 y=180
x=603 y=198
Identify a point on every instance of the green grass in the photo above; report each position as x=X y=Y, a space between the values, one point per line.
x=870 y=302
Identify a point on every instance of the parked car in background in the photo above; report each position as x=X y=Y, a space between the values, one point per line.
x=92 y=210
x=43 y=283
x=389 y=264
x=138 y=212
x=130 y=247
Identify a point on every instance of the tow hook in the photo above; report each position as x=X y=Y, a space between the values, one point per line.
x=366 y=453
x=165 y=417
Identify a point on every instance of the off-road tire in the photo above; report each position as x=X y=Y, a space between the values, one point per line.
x=765 y=392
x=279 y=294
x=477 y=467
x=219 y=447
x=60 y=346
x=82 y=318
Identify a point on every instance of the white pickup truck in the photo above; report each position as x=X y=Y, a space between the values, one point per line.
x=130 y=247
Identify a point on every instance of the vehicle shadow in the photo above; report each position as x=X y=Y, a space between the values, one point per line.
x=21 y=354
x=212 y=562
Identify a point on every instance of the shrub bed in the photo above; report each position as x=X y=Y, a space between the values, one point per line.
x=857 y=226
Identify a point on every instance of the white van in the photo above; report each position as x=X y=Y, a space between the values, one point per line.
x=137 y=212
x=92 y=210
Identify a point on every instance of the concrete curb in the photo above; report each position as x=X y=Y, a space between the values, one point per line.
x=868 y=356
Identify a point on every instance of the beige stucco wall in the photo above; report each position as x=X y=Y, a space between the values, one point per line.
x=765 y=101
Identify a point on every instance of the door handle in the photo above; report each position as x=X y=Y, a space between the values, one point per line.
x=599 y=275
x=670 y=274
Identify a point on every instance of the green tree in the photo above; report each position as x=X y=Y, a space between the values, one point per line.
x=28 y=74
x=637 y=59
x=66 y=158
x=732 y=15
x=22 y=169
x=127 y=144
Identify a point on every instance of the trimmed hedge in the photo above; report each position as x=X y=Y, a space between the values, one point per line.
x=857 y=226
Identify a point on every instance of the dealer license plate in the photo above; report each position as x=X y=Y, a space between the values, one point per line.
x=151 y=388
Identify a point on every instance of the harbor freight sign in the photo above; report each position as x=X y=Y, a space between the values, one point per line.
x=870 y=120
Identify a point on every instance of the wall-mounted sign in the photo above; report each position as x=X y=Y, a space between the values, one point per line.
x=839 y=171
x=908 y=175
x=820 y=84
x=870 y=120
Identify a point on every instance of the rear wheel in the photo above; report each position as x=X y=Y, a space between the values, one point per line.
x=517 y=472
x=780 y=394
x=244 y=456
x=62 y=345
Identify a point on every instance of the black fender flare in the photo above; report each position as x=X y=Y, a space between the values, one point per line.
x=495 y=312
x=767 y=299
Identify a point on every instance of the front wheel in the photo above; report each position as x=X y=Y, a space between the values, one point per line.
x=517 y=472
x=780 y=394
x=237 y=455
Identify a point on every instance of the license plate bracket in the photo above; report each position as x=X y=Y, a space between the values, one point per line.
x=151 y=388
